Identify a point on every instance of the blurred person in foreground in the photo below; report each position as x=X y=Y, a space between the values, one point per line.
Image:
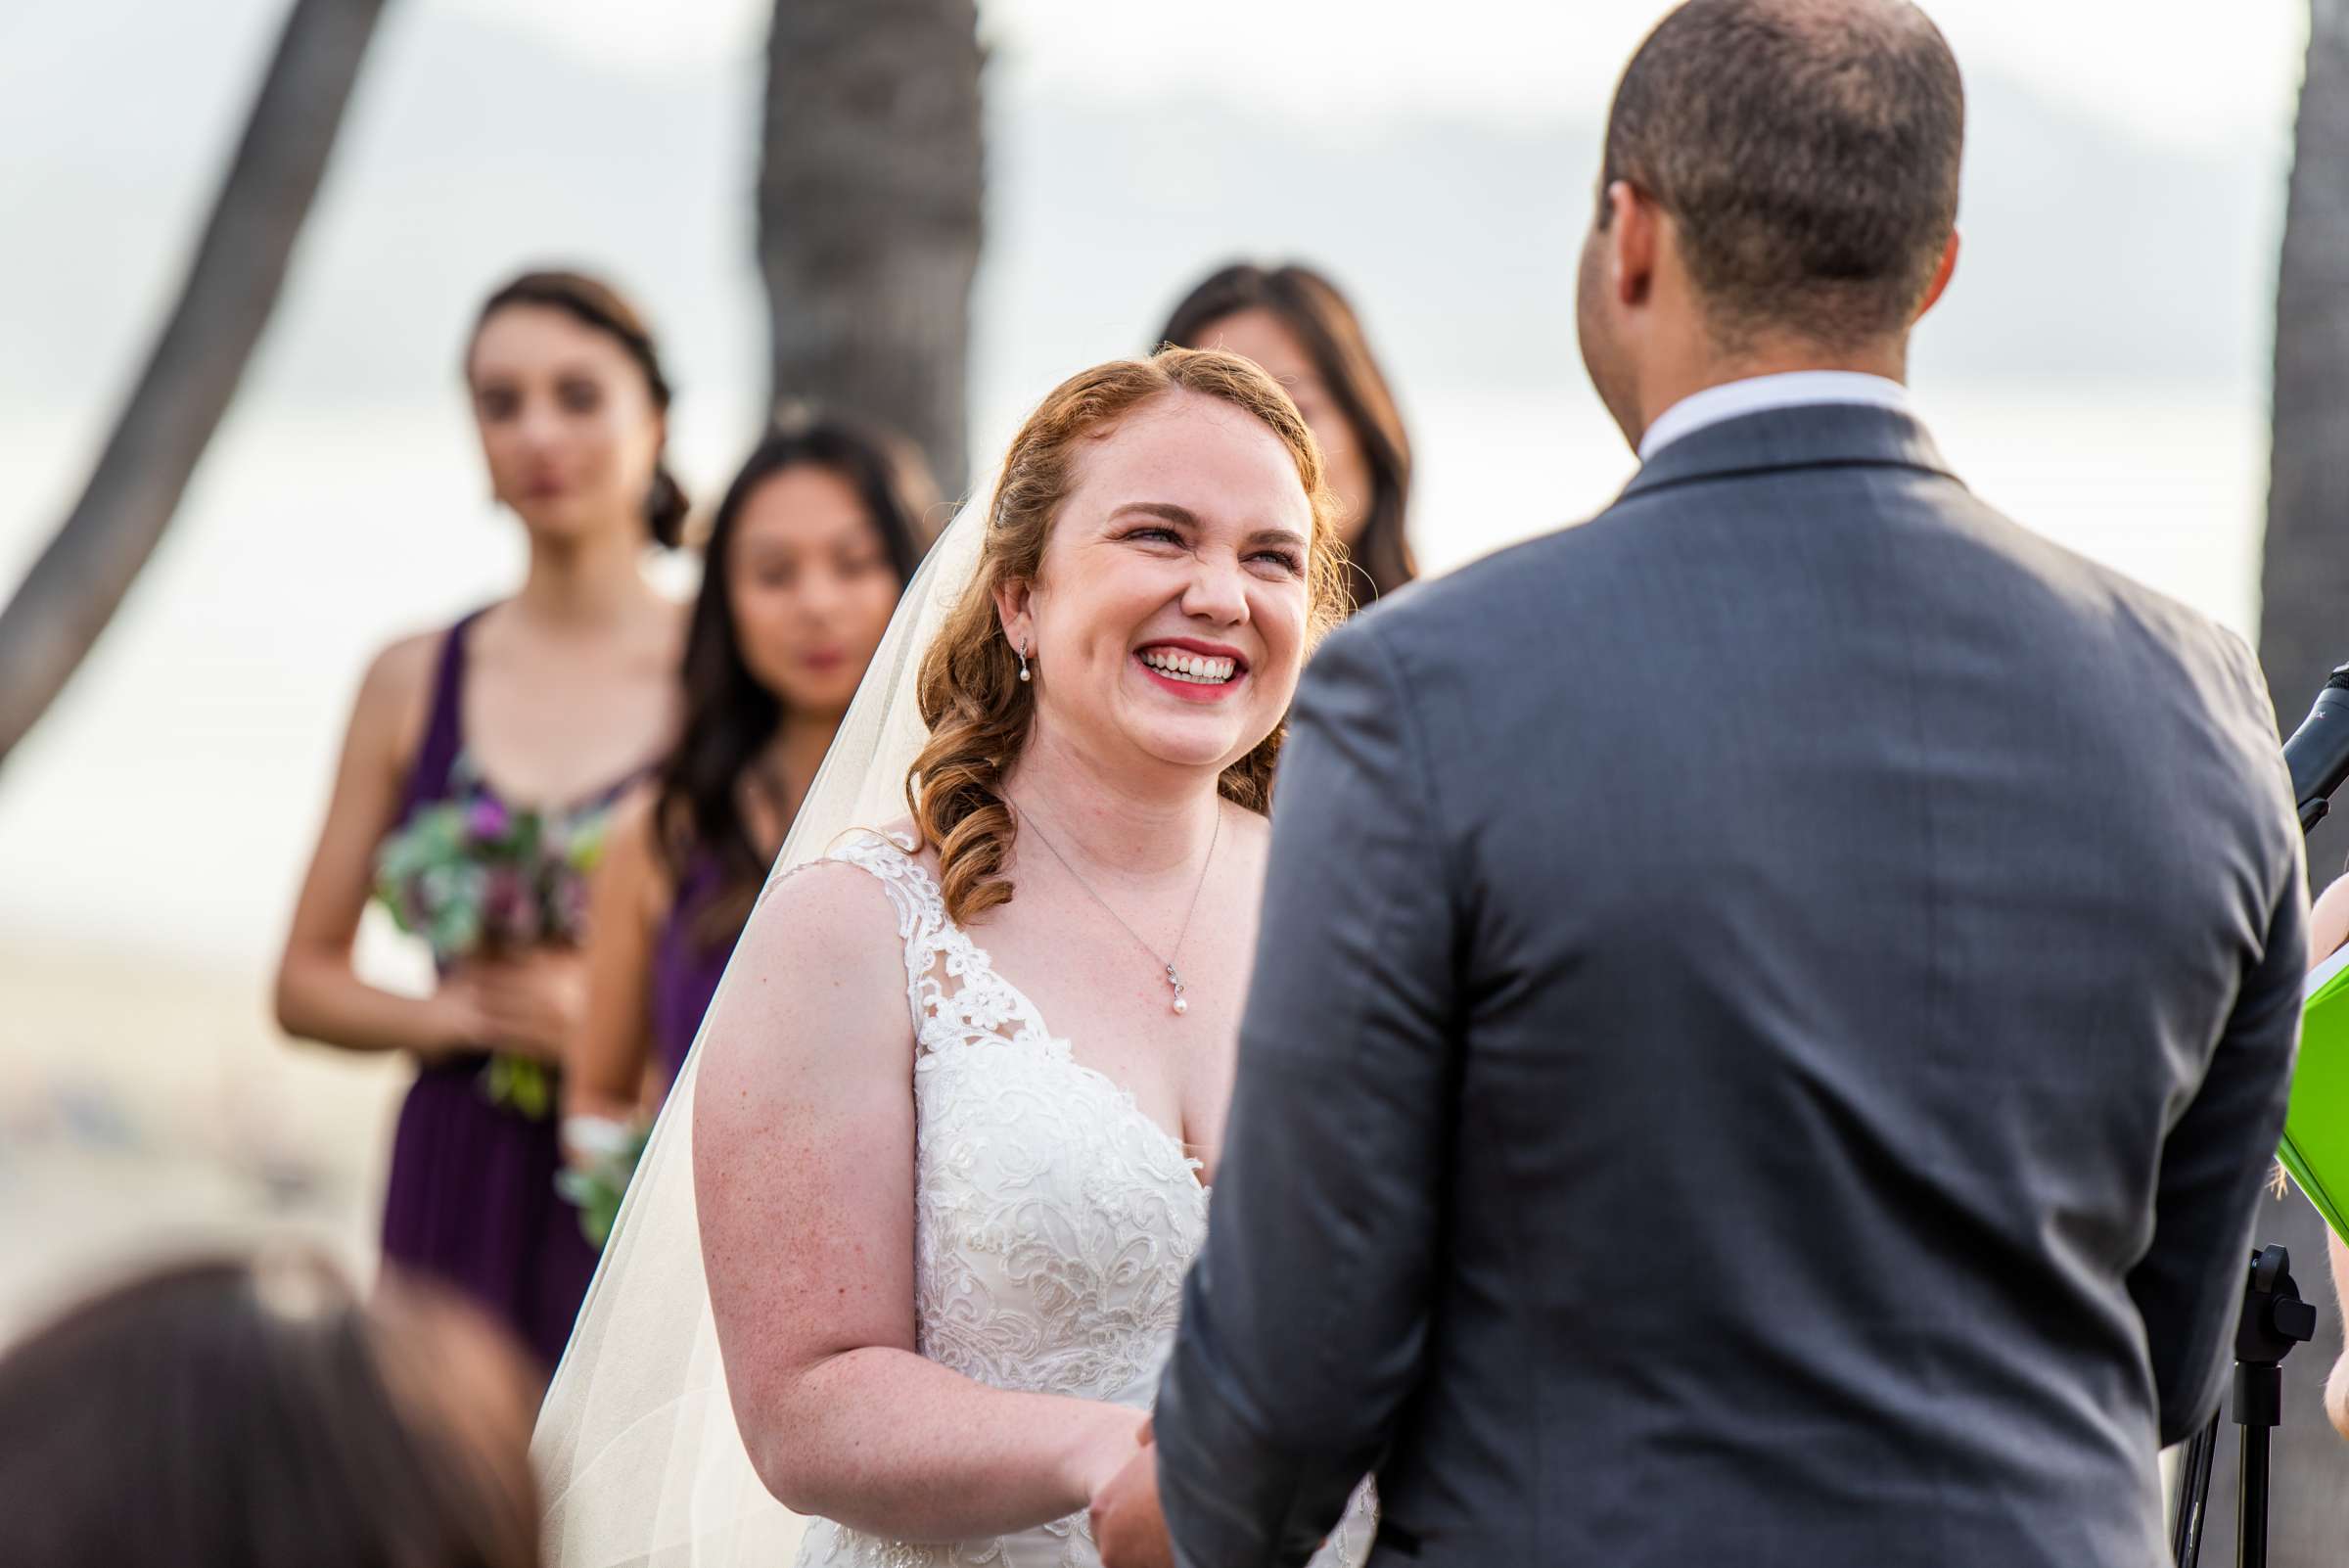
x=1302 y=332
x=1738 y=1070
x=815 y=539
x=257 y=1413
x=479 y=769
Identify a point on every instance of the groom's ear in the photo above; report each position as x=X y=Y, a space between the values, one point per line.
x=1941 y=276
x=1631 y=231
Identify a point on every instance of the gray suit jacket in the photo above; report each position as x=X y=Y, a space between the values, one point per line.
x=1772 y=1009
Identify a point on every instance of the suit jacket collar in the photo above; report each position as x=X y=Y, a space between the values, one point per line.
x=1775 y=439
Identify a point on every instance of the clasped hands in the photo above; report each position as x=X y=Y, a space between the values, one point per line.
x=528 y=1004
x=1128 y=1529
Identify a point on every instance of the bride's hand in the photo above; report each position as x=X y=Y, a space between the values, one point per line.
x=1109 y=1436
x=1130 y=1528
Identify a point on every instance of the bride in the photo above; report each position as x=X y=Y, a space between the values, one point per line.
x=906 y=1254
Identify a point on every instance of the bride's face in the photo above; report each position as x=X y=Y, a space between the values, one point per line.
x=1169 y=617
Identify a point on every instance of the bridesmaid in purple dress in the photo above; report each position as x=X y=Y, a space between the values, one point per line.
x=810 y=548
x=477 y=775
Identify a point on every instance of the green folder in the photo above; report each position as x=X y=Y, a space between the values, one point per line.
x=2316 y=1127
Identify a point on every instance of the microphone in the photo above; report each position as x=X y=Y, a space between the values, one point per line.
x=2318 y=754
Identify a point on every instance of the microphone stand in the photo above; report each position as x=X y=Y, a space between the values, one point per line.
x=2318 y=754
x=2275 y=1318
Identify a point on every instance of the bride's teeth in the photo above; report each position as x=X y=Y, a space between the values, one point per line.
x=1196 y=668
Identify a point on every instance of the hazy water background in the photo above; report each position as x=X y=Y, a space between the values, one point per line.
x=168 y=807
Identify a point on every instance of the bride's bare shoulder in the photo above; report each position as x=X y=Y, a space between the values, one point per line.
x=842 y=896
x=854 y=883
x=814 y=1010
x=1250 y=835
x=823 y=958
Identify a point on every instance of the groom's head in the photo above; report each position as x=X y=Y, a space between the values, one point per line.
x=1779 y=192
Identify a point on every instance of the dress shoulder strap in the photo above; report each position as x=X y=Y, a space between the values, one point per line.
x=431 y=778
x=921 y=909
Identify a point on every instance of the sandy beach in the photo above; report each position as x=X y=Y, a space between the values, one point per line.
x=149 y=1106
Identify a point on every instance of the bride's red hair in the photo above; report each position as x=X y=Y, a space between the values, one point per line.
x=969 y=688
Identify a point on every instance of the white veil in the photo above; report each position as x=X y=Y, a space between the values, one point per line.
x=637 y=1449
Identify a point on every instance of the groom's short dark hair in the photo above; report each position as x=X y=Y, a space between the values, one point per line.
x=1808 y=152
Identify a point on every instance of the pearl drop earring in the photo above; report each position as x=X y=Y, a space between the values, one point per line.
x=1023 y=675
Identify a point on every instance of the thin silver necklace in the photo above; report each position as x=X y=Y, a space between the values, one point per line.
x=1173 y=976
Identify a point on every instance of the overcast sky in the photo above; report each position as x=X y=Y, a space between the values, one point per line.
x=2166 y=68
x=2124 y=184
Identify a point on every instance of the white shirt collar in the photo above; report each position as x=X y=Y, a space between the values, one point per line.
x=1789 y=389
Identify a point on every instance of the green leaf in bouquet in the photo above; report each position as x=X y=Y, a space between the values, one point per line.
x=596 y=1192
x=453 y=895
x=519 y=1085
x=435 y=835
x=390 y=891
x=585 y=850
x=598 y=1206
x=534 y=1091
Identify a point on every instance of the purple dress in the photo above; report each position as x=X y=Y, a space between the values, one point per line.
x=687 y=963
x=472 y=1195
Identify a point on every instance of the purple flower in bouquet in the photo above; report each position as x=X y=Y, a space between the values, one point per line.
x=487 y=819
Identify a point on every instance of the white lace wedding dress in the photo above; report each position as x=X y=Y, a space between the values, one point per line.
x=1053 y=1218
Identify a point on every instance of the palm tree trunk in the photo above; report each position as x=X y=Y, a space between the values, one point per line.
x=870 y=213
x=2303 y=633
x=57 y=613
x=2304 y=577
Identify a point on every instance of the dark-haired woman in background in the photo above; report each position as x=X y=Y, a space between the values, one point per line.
x=260 y=1414
x=817 y=538
x=1296 y=325
x=479 y=769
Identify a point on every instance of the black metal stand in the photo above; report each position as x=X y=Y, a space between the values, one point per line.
x=2193 y=1493
x=2275 y=1318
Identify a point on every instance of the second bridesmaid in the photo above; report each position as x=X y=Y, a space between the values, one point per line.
x=807 y=555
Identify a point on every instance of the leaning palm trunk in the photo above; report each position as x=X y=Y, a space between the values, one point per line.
x=870 y=213
x=58 y=613
x=2303 y=633
x=2304 y=580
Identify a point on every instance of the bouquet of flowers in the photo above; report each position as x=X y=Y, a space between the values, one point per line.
x=474 y=878
x=605 y=1155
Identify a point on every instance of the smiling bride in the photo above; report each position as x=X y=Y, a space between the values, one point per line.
x=959 y=1103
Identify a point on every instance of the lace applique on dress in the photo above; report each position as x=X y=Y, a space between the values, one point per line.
x=1053 y=1218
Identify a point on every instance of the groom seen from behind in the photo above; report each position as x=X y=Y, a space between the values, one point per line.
x=1774 y=1003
